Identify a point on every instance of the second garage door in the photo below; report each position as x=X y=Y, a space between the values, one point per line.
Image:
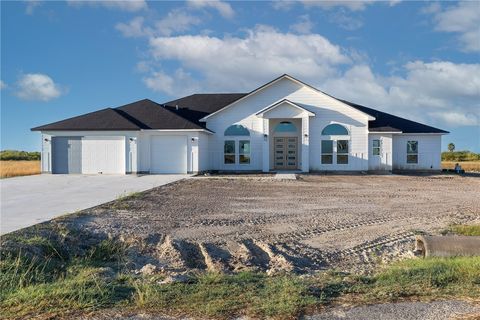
x=168 y=154
x=103 y=155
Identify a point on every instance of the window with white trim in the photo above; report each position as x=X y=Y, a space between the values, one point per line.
x=412 y=152
x=236 y=149
x=342 y=151
x=229 y=152
x=327 y=151
x=244 y=151
x=376 y=145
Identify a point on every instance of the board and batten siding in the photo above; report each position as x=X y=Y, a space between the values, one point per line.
x=429 y=155
x=129 y=139
x=327 y=110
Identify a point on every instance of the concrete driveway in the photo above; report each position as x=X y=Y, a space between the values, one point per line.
x=26 y=201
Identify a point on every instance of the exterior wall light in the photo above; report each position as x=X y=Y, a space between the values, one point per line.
x=46 y=139
x=265 y=136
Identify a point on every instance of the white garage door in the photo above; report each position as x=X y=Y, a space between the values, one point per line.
x=103 y=155
x=168 y=154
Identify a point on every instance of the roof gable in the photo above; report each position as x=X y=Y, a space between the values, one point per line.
x=284 y=109
x=284 y=76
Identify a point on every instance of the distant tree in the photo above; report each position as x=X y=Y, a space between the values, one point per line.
x=451 y=147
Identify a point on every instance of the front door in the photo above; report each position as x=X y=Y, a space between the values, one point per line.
x=286 y=153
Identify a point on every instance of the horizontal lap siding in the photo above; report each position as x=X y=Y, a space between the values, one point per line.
x=244 y=113
x=429 y=152
x=327 y=110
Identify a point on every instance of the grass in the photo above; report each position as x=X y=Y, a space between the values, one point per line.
x=39 y=277
x=465 y=230
x=466 y=165
x=219 y=295
x=10 y=169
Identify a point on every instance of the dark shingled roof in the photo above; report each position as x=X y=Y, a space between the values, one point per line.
x=143 y=114
x=105 y=119
x=185 y=113
x=385 y=122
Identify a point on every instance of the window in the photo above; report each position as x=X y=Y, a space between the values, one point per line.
x=285 y=126
x=327 y=151
x=342 y=151
x=412 y=151
x=376 y=147
x=229 y=152
x=334 y=130
x=244 y=151
x=237 y=130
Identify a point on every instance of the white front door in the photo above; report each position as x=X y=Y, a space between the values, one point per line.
x=168 y=154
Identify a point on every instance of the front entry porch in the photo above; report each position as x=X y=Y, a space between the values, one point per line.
x=286 y=137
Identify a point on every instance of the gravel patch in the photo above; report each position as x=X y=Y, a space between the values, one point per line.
x=437 y=310
x=348 y=222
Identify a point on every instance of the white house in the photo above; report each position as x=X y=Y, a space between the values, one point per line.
x=282 y=125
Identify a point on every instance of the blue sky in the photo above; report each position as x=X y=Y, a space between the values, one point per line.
x=59 y=59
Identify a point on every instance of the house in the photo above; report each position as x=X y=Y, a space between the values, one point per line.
x=283 y=125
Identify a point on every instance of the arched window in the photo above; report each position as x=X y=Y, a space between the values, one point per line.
x=285 y=126
x=237 y=130
x=335 y=130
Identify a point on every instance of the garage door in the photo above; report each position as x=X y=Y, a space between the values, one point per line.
x=67 y=155
x=168 y=154
x=105 y=155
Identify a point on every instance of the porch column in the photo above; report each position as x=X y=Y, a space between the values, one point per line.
x=305 y=143
x=266 y=146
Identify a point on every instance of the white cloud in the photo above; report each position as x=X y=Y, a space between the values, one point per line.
x=262 y=54
x=175 y=21
x=3 y=85
x=36 y=86
x=445 y=91
x=462 y=19
x=124 y=5
x=134 y=28
x=351 y=5
x=223 y=8
x=439 y=92
x=31 y=5
x=303 y=26
x=344 y=20
x=180 y=83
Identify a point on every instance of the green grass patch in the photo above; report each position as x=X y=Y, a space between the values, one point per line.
x=44 y=278
x=219 y=295
x=465 y=230
x=430 y=278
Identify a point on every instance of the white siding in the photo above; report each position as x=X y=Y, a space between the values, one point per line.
x=326 y=109
x=203 y=160
x=429 y=151
x=384 y=160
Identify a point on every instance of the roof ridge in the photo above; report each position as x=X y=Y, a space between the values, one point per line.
x=127 y=117
x=176 y=114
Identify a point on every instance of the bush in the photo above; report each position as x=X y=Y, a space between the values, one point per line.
x=19 y=155
x=460 y=156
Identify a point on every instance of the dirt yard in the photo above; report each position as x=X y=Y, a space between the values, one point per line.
x=351 y=223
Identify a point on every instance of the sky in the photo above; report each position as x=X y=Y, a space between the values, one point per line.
x=419 y=60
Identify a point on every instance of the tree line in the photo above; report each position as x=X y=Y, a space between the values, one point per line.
x=460 y=156
x=19 y=155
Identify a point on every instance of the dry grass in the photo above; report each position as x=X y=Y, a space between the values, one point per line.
x=466 y=165
x=10 y=169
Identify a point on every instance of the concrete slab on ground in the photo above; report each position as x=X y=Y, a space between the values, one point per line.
x=29 y=200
